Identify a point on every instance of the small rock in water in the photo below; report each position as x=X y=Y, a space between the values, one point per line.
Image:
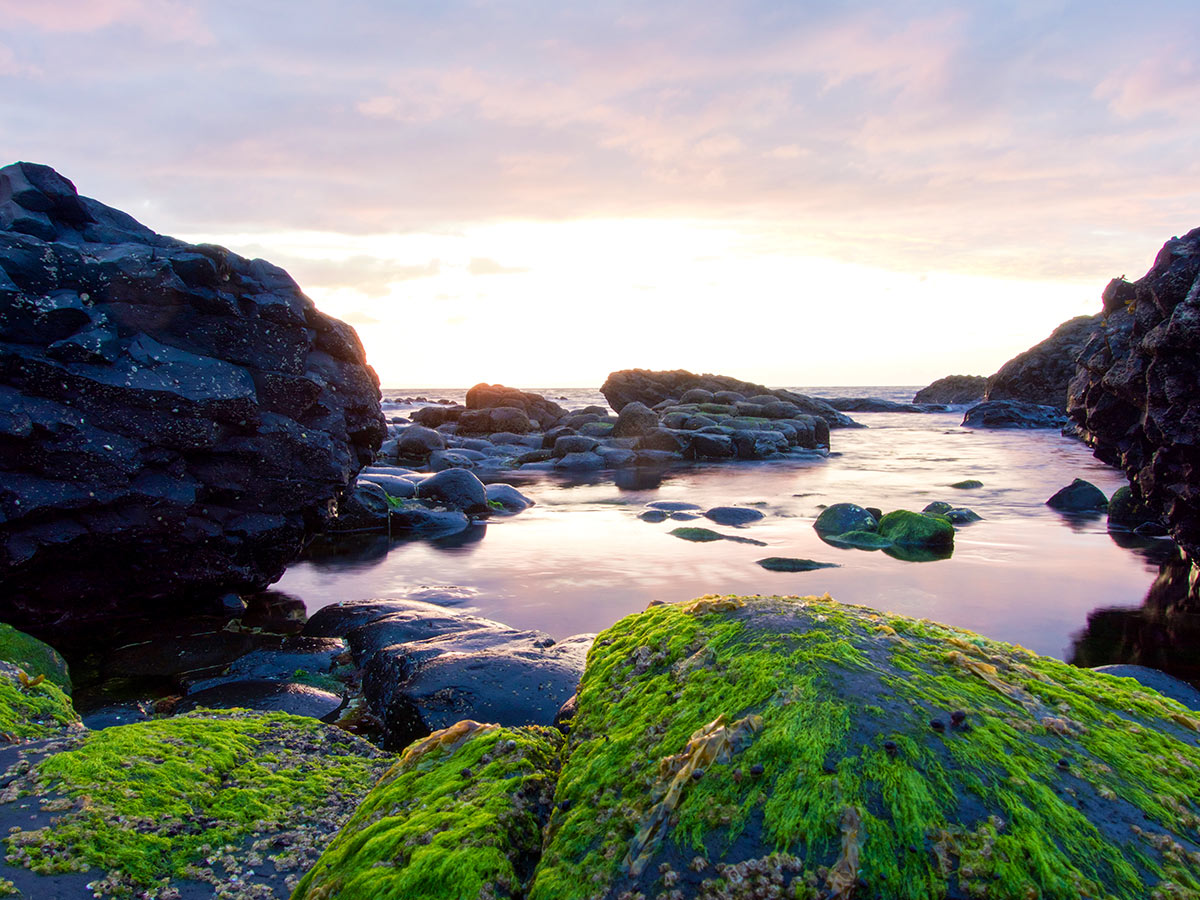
x=790 y=564
x=1079 y=496
x=967 y=485
x=733 y=515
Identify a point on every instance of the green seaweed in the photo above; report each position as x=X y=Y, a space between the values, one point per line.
x=910 y=529
x=32 y=707
x=34 y=657
x=1047 y=781
x=459 y=816
x=159 y=800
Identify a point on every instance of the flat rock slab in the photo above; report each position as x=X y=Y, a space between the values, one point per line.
x=792 y=564
x=733 y=515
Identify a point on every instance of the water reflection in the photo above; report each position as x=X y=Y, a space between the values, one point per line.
x=1163 y=633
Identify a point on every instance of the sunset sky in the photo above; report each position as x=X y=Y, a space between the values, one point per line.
x=539 y=193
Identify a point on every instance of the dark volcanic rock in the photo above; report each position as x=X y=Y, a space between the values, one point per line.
x=1079 y=496
x=545 y=413
x=953 y=389
x=1012 y=414
x=175 y=420
x=650 y=387
x=875 y=404
x=1136 y=397
x=1042 y=373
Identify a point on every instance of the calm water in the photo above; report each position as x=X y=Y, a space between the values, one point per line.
x=581 y=558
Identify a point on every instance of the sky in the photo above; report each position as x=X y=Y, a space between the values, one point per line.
x=796 y=193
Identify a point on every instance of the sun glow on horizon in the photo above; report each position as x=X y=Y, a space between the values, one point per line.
x=565 y=303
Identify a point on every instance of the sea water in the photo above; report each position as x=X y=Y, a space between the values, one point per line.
x=581 y=558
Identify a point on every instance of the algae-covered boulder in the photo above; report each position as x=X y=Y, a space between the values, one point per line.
x=1079 y=496
x=843 y=517
x=31 y=707
x=242 y=801
x=910 y=529
x=795 y=747
x=459 y=816
x=34 y=657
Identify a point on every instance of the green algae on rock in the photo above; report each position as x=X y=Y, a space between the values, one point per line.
x=459 y=817
x=911 y=529
x=34 y=657
x=32 y=707
x=199 y=797
x=859 y=540
x=864 y=755
x=707 y=535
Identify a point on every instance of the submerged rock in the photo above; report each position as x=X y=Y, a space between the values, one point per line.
x=733 y=515
x=792 y=564
x=1127 y=512
x=178 y=420
x=898 y=758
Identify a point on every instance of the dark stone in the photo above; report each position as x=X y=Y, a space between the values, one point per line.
x=635 y=420
x=177 y=421
x=455 y=488
x=507 y=497
x=433 y=416
x=537 y=408
x=841 y=518
x=875 y=404
x=266 y=696
x=733 y=515
x=791 y=564
x=712 y=446
x=953 y=389
x=1136 y=397
x=1042 y=374
x=1127 y=511
x=1079 y=496
x=573 y=443
x=580 y=462
x=1012 y=414
x=672 y=505
x=651 y=387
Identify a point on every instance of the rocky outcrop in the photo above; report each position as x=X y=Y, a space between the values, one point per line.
x=175 y=420
x=1042 y=373
x=1012 y=414
x=1136 y=397
x=899 y=758
x=652 y=388
x=953 y=389
x=545 y=413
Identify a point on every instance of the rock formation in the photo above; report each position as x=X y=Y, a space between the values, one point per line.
x=652 y=388
x=953 y=389
x=175 y=420
x=1042 y=373
x=1136 y=397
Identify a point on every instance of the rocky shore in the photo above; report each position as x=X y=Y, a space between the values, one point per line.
x=179 y=423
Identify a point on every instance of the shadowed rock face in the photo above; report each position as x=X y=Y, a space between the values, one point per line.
x=649 y=387
x=175 y=420
x=1041 y=374
x=1136 y=396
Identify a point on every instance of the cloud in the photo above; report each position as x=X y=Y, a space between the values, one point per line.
x=165 y=19
x=483 y=266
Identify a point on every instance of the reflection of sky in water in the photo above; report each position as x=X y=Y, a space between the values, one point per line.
x=581 y=558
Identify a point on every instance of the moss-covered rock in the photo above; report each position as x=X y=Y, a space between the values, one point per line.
x=792 y=564
x=459 y=817
x=31 y=707
x=34 y=657
x=208 y=796
x=910 y=529
x=1079 y=496
x=859 y=540
x=788 y=747
x=843 y=517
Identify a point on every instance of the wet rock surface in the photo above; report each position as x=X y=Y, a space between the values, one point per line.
x=1042 y=374
x=1135 y=397
x=1013 y=414
x=425 y=667
x=175 y=420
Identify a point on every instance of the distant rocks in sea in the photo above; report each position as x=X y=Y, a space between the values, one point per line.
x=681 y=387
x=953 y=389
x=1136 y=394
x=178 y=420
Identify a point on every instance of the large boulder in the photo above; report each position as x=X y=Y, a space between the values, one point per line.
x=545 y=413
x=1042 y=373
x=953 y=389
x=1012 y=414
x=787 y=747
x=175 y=420
x=1136 y=397
x=651 y=388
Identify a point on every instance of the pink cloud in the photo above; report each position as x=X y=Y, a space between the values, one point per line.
x=171 y=20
